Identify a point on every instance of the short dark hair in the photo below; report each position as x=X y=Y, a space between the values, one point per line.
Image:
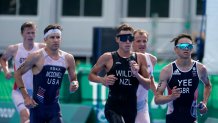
x=183 y=35
x=124 y=27
x=27 y=24
x=53 y=26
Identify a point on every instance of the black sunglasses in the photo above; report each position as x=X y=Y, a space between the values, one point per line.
x=125 y=37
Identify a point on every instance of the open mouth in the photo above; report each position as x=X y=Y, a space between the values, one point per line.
x=186 y=52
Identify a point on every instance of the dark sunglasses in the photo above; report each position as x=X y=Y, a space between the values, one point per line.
x=184 y=46
x=126 y=37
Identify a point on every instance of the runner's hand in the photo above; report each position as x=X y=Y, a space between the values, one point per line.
x=29 y=102
x=109 y=80
x=134 y=67
x=175 y=93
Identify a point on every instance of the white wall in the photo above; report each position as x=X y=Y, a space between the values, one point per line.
x=78 y=31
x=211 y=56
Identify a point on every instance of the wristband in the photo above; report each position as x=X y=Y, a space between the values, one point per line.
x=21 y=87
x=73 y=82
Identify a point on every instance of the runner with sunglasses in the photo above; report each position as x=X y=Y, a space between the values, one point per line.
x=181 y=77
x=125 y=70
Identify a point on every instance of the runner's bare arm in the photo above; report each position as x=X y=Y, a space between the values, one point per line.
x=164 y=77
x=207 y=84
x=7 y=55
x=31 y=60
x=103 y=63
x=143 y=75
x=152 y=84
x=72 y=73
